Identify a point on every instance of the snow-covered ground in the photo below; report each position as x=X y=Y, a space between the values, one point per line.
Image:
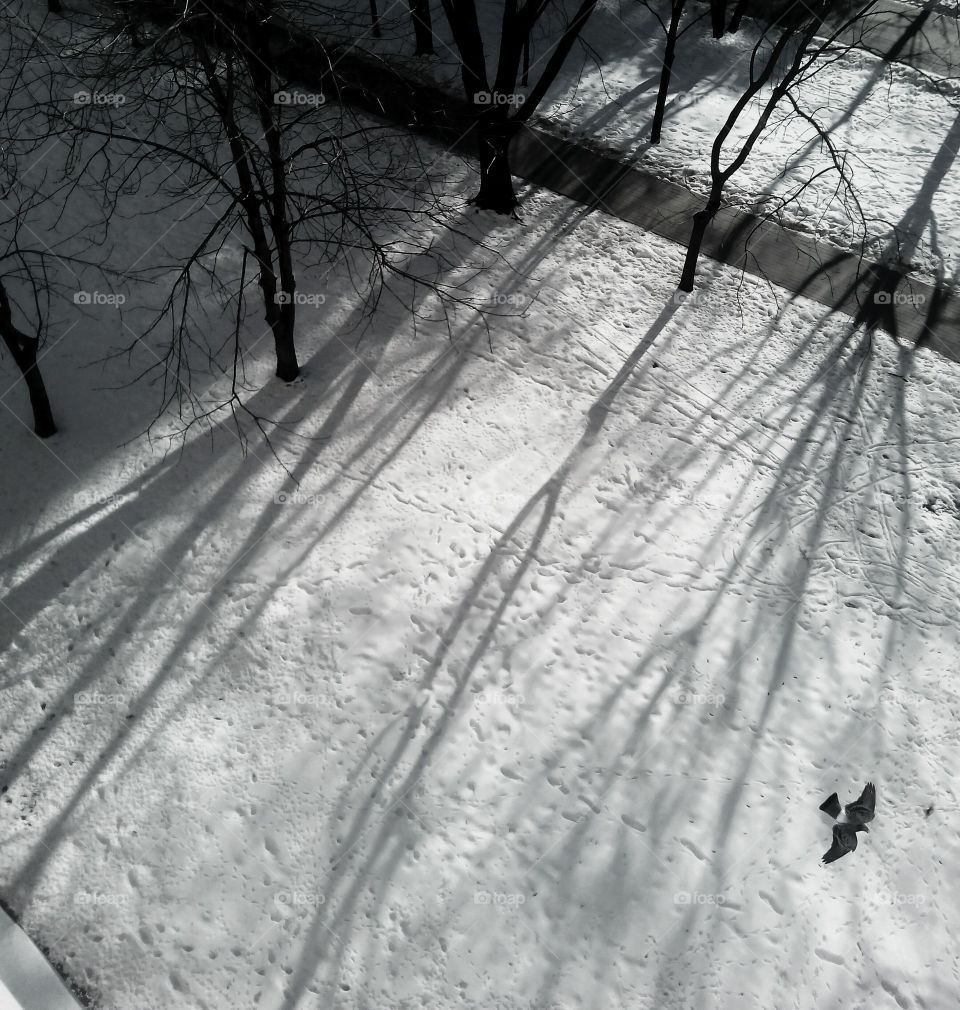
x=523 y=687
x=527 y=694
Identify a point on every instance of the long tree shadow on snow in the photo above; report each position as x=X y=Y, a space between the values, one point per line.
x=844 y=426
x=488 y=598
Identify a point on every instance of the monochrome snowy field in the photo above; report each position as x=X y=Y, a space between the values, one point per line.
x=527 y=693
x=511 y=672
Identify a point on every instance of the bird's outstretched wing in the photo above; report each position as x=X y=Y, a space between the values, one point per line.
x=831 y=806
x=834 y=852
x=844 y=841
x=862 y=809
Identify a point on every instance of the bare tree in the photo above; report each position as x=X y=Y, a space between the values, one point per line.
x=498 y=108
x=796 y=55
x=672 y=34
x=201 y=113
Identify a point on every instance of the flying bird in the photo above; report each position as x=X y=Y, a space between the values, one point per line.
x=831 y=806
x=844 y=840
x=862 y=809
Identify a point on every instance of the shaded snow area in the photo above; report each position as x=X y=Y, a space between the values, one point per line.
x=524 y=693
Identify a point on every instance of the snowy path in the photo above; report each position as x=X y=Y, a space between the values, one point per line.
x=527 y=696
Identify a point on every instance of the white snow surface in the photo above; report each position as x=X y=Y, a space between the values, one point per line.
x=527 y=694
x=522 y=690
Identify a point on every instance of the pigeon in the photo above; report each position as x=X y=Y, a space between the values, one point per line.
x=831 y=806
x=861 y=810
x=844 y=840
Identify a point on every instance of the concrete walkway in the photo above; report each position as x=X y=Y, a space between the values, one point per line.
x=27 y=982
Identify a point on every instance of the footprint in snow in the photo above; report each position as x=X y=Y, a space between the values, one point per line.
x=687 y=844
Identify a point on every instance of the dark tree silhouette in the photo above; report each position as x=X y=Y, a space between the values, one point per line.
x=498 y=108
x=23 y=349
x=795 y=56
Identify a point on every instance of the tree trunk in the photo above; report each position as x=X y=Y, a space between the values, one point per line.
x=375 y=18
x=23 y=350
x=669 y=52
x=701 y=221
x=718 y=17
x=54 y=7
x=496 y=183
x=288 y=368
x=738 y=13
x=422 y=27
